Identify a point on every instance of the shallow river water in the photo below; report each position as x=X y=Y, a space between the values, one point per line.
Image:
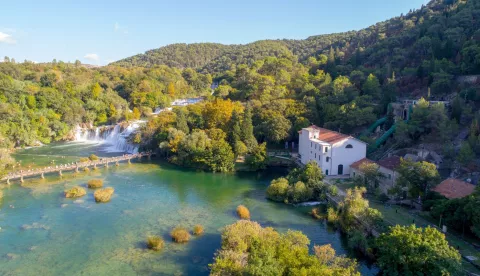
x=43 y=233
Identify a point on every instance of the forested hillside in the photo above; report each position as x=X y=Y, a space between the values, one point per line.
x=43 y=102
x=427 y=46
x=270 y=88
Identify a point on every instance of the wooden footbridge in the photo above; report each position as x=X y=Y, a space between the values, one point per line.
x=75 y=166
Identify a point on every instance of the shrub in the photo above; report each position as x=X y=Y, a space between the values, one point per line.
x=95 y=183
x=277 y=191
x=86 y=169
x=75 y=192
x=243 y=212
x=103 y=195
x=300 y=193
x=316 y=213
x=180 y=235
x=332 y=216
x=198 y=230
x=84 y=159
x=155 y=243
x=93 y=157
x=333 y=190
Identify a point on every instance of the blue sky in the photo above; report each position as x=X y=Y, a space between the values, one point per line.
x=98 y=32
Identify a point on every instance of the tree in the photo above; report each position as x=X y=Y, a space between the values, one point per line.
x=247 y=130
x=96 y=90
x=182 y=120
x=371 y=175
x=466 y=154
x=257 y=158
x=249 y=249
x=136 y=113
x=418 y=177
x=220 y=157
x=408 y=250
x=234 y=135
x=171 y=90
x=372 y=86
x=274 y=127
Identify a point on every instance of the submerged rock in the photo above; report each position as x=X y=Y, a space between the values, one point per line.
x=35 y=225
x=11 y=256
x=64 y=205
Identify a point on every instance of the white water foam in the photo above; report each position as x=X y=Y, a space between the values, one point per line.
x=115 y=138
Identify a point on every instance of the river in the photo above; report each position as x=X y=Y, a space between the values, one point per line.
x=43 y=233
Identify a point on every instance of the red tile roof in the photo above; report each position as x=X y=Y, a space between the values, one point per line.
x=391 y=162
x=356 y=165
x=330 y=136
x=454 y=188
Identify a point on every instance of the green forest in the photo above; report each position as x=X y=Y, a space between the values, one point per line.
x=339 y=81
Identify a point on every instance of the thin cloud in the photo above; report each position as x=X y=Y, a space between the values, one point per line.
x=6 y=38
x=119 y=29
x=92 y=57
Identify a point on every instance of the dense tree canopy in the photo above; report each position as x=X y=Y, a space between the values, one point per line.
x=408 y=250
x=249 y=249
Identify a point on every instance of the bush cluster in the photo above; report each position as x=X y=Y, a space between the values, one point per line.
x=75 y=192
x=180 y=235
x=198 y=230
x=243 y=212
x=155 y=243
x=95 y=183
x=103 y=195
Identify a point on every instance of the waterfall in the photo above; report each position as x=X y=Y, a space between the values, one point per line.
x=114 y=138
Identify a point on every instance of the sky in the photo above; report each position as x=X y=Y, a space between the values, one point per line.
x=103 y=31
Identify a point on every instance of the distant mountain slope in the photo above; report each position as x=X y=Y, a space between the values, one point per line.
x=437 y=31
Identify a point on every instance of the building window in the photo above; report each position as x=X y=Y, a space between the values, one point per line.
x=319 y=158
x=326 y=149
x=353 y=174
x=311 y=144
x=315 y=146
x=328 y=159
x=315 y=155
x=389 y=176
x=349 y=146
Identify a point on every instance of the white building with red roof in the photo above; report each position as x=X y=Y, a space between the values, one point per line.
x=333 y=151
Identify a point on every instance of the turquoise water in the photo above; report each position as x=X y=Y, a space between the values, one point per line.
x=44 y=233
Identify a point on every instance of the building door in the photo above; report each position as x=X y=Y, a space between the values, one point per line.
x=326 y=172
x=340 y=169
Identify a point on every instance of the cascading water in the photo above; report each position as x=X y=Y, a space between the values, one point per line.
x=115 y=138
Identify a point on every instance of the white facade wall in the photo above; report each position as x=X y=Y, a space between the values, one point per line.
x=328 y=156
x=341 y=155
